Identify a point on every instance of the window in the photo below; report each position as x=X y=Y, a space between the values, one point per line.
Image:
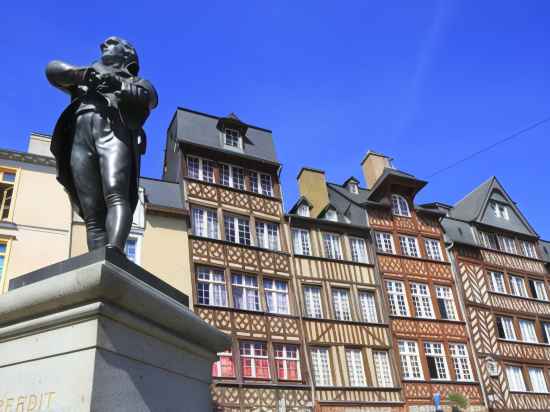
x=303 y=210
x=410 y=361
x=237 y=229
x=353 y=188
x=505 y=328
x=265 y=186
x=489 y=240
x=205 y=222
x=446 y=302
x=254 y=361
x=399 y=206
x=287 y=362
x=225 y=367
x=331 y=215
x=356 y=368
x=497 y=282
x=507 y=244
x=300 y=241
x=382 y=369
x=538 y=382
x=409 y=246
x=384 y=242
x=267 y=235
x=538 y=289
x=500 y=210
x=527 y=328
x=201 y=169
x=461 y=362
x=529 y=249
x=340 y=302
x=367 y=302
x=332 y=246
x=321 y=367
x=7 y=181
x=517 y=286
x=422 y=301
x=312 y=301
x=245 y=292
x=437 y=365
x=546 y=332
x=232 y=176
x=396 y=296
x=3 y=253
x=433 y=249
x=358 y=250
x=515 y=379
x=131 y=249
x=232 y=139
x=211 y=289
x=276 y=296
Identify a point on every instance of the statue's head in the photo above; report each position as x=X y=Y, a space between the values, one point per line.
x=115 y=50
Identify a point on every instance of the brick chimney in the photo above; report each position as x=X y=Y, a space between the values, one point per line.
x=373 y=166
x=312 y=184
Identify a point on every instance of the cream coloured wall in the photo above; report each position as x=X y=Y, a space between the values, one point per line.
x=165 y=250
x=78 y=239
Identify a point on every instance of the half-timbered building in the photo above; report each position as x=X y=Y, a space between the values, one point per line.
x=239 y=259
x=346 y=329
x=501 y=266
x=427 y=322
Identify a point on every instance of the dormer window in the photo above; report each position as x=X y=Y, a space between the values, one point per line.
x=331 y=215
x=353 y=188
x=233 y=139
x=500 y=210
x=303 y=210
x=399 y=206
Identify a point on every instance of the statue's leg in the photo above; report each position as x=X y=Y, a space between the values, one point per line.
x=85 y=171
x=115 y=158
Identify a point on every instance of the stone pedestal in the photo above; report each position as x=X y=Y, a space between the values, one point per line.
x=98 y=333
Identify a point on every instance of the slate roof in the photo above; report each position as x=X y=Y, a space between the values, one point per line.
x=197 y=128
x=545 y=250
x=395 y=175
x=162 y=193
x=458 y=231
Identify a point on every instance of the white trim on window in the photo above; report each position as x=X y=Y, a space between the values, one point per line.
x=437 y=363
x=246 y=293
x=321 y=366
x=204 y=222
x=367 y=303
x=276 y=296
x=341 y=304
x=382 y=369
x=410 y=360
x=516 y=382
x=201 y=169
x=397 y=298
x=232 y=176
x=211 y=287
x=422 y=301
x=356 y=367
x=384 y=242
x=528 y=333
x=461 y=362
x=331 y=242
x=497 y=281
x=237 y=229
x=517 y=286
x=267 y=235
x=400 y=206
x=313 y=302
x=232 y=139
x=409 y=246
x=538 y=380
x=301 y=242
x=358 y=248
x=433 y=249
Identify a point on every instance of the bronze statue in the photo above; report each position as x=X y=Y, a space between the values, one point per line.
x=99 y=138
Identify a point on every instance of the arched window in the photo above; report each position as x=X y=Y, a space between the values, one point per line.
x=399 y=206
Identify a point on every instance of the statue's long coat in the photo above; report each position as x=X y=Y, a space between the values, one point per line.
x=138 y=97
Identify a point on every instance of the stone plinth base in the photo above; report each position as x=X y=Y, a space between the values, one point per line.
x=97 y=333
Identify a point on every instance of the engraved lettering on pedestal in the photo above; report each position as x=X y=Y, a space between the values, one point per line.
x=33 y=402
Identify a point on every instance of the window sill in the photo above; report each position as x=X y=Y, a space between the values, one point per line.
x=422 y=259
x=219 y=185
x=228 y=243
x=251 y=312
x=519 y=297
x=326 y=259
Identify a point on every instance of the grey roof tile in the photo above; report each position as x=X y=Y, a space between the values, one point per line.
x=162 y=193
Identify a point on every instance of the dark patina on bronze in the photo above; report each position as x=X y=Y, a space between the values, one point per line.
x=99 y=138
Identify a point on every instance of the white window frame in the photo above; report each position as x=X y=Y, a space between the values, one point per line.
x=285 y=357
x=358 y=248
x=250 y=290
x=331 y=215
x=301 y=242
x=538 y=380
x=507 y=244
x=500 y=210
x=436 y=350
x=303 y=210
x=384 y=242
x=205 y=170
x=397 y=298
x=272 y=292
x=231 y=176
x=529 y=249
x=422 y=300
x=232 y=134
x=233 y=222
x=490 y=240
x=461 y=362
x=517 y=286
x=497 y=281
x=341 y=304
x=433 y=249
x=400 y=206
x=508 y=328
x=381 y=360
x=528 y=331
x=540 y=290
x=253 y=355
x=367 y=303
x=410 y=360
x=356 y=367
x=313 y=301
x=207 y=222
x=320 y=362
x=332 y=246
x=353 y=188
x=516 y=381
x=217 y=289
x=409 y=246
x=267 y=235
x=445 y=294
x=261 y=183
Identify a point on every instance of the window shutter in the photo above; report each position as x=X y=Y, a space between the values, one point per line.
x=533 y=289
x=442 y=309
x=431 y=367
x=500 y=328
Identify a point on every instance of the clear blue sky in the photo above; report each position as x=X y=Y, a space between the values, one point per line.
x=426 y=82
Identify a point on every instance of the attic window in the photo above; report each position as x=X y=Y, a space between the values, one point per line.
x=331 y=215
x=500 y=210
x=7 y=182
x=232 y=139
x=303 y=210
x=399 y=206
